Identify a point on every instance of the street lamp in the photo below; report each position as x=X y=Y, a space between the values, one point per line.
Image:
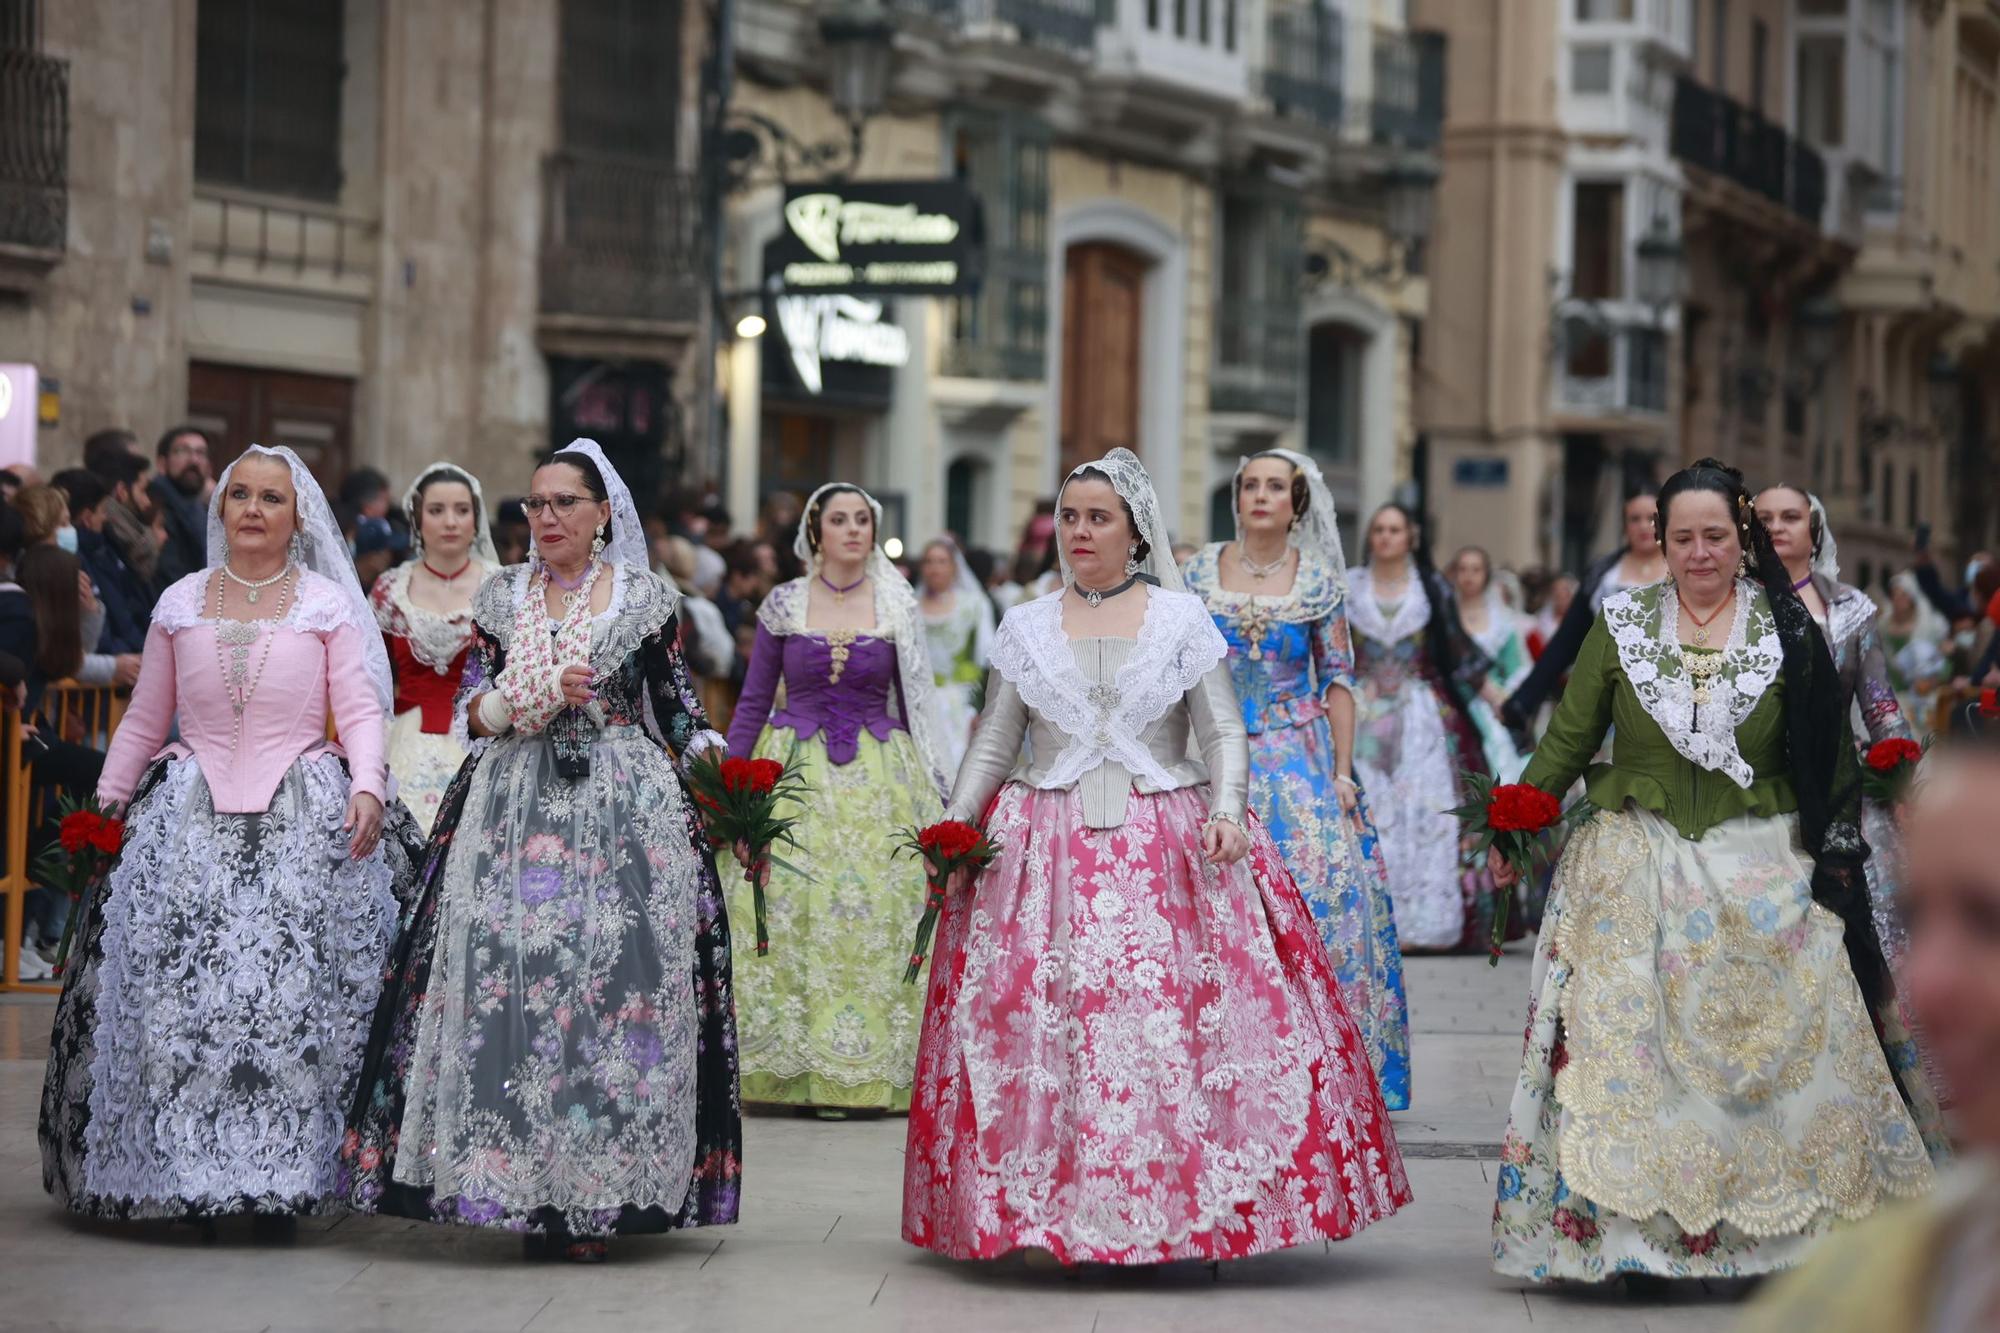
x=1409 y=188
x=1818 y=324
x=1662 y=274
x=858 y=36
x=857 y=39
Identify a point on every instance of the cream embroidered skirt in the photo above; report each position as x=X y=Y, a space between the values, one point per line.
x=1702 y=1089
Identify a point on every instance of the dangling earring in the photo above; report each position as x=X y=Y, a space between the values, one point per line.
x=298 y=548
x=1131 y=561
x=597 y=544
x=1743 y=566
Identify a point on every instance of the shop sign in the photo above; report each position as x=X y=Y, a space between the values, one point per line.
x=880 y=238
x=841 y=330
x=18 y=413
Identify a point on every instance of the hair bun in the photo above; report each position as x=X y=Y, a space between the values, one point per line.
x=1717 y=465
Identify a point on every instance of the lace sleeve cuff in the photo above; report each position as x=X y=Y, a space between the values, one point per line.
x=701 y=743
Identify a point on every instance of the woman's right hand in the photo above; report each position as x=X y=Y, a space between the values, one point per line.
x=741 y=851
x=1502 y=870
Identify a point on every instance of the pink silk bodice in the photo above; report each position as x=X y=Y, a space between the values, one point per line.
x=315 y=662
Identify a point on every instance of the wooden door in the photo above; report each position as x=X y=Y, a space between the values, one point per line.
x=1103 y=292
x=239 y=406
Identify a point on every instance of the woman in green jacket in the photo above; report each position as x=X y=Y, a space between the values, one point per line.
x=1703 y=1090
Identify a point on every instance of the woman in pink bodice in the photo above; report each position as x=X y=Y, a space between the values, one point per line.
x=213 y=1016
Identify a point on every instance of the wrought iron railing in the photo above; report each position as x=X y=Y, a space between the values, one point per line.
x=1063 y=25
x=1719 y=134
x=621 y=239
x=1257 y=357
x=34 y=150
x=1303 y=63
x=1408 y=106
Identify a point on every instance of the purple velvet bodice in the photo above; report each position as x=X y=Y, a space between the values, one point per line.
x=838 y=688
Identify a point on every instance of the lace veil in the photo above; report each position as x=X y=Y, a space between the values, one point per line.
x=1826 y=560
x=628 y=536
x=971 y=593
x=317 y=545
x=897 y=615
x=1319 y=531
x=1134 y=485
x=483 y=549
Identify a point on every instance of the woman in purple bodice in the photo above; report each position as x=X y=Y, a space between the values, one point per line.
x=825 y=1019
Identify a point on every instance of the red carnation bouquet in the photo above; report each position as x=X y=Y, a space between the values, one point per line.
x=1888 y=769
x=88 y=840
x=739 y=799
x=1511 y=816
x=947 y=847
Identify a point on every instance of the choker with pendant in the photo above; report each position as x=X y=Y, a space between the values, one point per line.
x=1095 y=598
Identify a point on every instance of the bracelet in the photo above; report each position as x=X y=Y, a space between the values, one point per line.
x=1220 y=818
x=1348 y=778
x=495 y=712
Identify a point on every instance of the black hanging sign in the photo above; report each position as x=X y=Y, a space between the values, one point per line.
x=880 y=238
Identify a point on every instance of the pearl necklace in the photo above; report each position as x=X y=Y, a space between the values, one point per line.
x=232 y=649
x=1257 y=571
x=252 y=587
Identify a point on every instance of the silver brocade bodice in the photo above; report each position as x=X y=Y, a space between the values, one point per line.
x=1208 y=713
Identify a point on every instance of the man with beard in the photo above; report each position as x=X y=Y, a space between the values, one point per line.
x=181 y=492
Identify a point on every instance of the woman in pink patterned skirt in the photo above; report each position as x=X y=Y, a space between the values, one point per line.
x=1134 y=1049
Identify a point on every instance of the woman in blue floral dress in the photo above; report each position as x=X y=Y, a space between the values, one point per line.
x=1292 y=663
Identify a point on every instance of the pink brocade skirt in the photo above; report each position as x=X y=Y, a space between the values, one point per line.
x=1130 y=1056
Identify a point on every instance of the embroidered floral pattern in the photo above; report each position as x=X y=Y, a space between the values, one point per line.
x=1131 y=1056
x=1645 y=625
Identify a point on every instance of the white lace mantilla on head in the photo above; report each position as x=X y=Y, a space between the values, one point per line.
x=1364 y=611
x=1645 y=625
x=318 y=606
x=1177 y=645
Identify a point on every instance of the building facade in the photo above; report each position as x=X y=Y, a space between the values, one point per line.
x=378 y=232
x=1756 y=229
x=1187 y=252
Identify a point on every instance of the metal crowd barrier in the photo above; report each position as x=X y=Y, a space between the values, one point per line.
x=84 y=715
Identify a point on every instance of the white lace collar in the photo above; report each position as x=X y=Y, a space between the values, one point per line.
x=435 y=638
x=318 y=606
x=1177 y=645
x=1645 y=625
x=1364 y=611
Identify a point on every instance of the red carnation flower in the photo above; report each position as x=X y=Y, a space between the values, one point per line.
x=764 y=774
x=1889 y=755
x=109 y=837
x=77 y=829
x=1518 y=807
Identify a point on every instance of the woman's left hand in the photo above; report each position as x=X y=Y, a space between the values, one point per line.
x=1222 y=843
x=1349 y=793
x=364 y=821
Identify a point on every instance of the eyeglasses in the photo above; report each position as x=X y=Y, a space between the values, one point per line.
x=565 y=504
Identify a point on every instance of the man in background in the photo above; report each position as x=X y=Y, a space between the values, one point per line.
x=181 y=493
x=113 y=457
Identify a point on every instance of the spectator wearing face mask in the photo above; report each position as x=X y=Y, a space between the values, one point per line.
x=117 y=586
x=113 y=457
x=44 y=517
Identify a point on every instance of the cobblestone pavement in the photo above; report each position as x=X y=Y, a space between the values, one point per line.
x=818 y=1248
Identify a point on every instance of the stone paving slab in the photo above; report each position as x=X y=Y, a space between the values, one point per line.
x=820 y=1249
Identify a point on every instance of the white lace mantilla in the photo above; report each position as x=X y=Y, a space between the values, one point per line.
x=1364 y=610
x=1848 y=613
x=1645 y=625
x=1177 y=645
x=318 y=606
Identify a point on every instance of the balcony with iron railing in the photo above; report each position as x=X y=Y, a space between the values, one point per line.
x=621 y=240
x=1066 y=26
x=1407 y=107
x=1610 y=369
x=267 y=240
x=1257 y=357
x=1720 y=135
x=34 y=155
x=1305 y=55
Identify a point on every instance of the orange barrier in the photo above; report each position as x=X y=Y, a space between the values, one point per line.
x=83 y=715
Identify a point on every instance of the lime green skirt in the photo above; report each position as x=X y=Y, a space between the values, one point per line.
x=825 y=1018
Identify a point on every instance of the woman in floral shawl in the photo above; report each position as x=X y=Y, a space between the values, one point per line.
x=554 y=1052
